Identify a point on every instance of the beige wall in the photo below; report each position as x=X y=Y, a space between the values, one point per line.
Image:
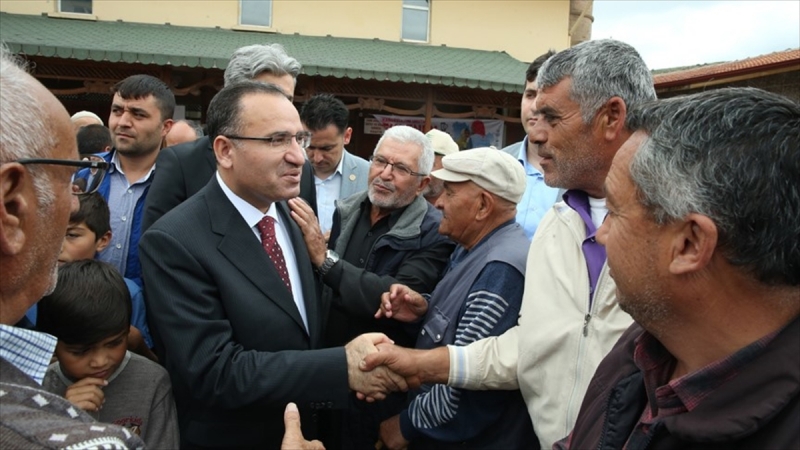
x=523 y=29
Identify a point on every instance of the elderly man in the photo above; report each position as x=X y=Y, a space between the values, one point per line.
x=539 y=197
x=182 y=131
x=186 y=168
x=479 y=296
x=443 y=145
x=385 y=235
x=713 y=284
x=569 y=318
x=231 y=294
x=38 y=157
x=338 y=173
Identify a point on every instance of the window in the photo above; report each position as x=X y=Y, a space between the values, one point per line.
x=75 y=6
x=255 y=12
x=416 y=15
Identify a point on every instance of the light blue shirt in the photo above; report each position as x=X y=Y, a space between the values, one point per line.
x=328 y=191
x=538 y=197
x=29 y=351
x=122 y=199
x=252 y=216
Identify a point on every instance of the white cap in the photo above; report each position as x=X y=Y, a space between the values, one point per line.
x=82 y=114
x=492 y=169
x=442 y=143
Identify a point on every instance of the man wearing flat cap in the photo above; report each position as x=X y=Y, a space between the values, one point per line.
x=479 y=296
x=443 y=145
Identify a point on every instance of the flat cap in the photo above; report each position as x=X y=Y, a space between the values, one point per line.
x=492 y=169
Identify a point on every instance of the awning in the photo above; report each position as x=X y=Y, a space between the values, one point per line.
x=167 y=45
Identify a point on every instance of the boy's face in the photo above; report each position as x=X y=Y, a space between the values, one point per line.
x=81 y=243
x=99 y=360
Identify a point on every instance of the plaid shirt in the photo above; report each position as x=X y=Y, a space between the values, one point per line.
x=668 y=398
x=29 y=351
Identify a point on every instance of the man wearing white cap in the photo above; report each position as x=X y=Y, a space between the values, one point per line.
x=479 y=296
x=82 y=118
x=443 y=145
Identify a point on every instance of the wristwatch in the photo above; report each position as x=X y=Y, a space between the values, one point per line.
x=331 y=258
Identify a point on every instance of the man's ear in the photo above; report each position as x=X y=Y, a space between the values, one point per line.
x=486 y=205
x=15 y=207
x=611 y=120
x=167 y=126
x=103 y=242
x=423 y=183
x=348 y=133
x=222 y=151
x=693 y=244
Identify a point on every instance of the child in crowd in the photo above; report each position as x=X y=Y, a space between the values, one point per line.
x=89 y=312
x=89 y=232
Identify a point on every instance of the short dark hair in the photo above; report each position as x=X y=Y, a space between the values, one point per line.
x=93 y=211
x=322 y=110
x=224 y=110
x=93 y=139
x=91 y=302
x=533 y=69
x=142 y=86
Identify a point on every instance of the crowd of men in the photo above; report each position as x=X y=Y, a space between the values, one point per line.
x=627 y=276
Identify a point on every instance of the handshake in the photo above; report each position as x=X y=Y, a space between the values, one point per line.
x=375 y=366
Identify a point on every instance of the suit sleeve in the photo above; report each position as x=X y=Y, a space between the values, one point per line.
x=202 y=351
x=361 y=290
x=167 y=190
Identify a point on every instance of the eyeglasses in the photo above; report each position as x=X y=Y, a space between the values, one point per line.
x=88 y=175
x=303 y=139
x=380 y=162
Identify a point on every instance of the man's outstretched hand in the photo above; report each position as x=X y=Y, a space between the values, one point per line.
x=402 y=303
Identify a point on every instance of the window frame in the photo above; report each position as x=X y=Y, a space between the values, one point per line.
x=427 y=25
x=241 y=10
x=61 y=10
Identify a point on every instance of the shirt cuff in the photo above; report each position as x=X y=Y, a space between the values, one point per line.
x=459 y=366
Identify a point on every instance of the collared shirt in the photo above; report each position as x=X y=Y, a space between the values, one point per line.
x=29 y=351
x=252 y=216
x=328 y=191
x=122 y=199
x=538 y=197
x=668 y=398
x=593 y=252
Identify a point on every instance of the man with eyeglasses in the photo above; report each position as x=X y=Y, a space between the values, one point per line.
x=232 y=299
x=186 y=168
x=38 y=157
x=385 y=235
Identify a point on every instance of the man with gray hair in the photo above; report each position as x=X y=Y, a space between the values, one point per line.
x=182 y=131
x=479 y=296
x=569 y=318
x=702 y=238
x=385 y=235
x=38 y=156
x=186 y=168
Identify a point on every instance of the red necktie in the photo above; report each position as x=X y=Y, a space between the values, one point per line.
x=267 y=228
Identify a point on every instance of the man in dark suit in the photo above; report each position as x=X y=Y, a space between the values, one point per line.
x=232 y=297
x=185 y=168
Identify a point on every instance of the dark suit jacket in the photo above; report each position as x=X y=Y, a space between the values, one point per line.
x=184 y=169
x=229 y=331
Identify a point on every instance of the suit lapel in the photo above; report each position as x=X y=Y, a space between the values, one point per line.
x=239 y=245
